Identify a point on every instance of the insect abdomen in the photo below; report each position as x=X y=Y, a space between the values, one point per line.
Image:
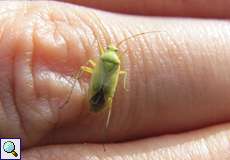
x=97 y=101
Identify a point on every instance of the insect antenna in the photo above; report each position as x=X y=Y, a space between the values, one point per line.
x=136 y=35
x=78 y=75
x=102 y=27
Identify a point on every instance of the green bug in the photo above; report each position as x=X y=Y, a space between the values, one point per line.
x=105 y=74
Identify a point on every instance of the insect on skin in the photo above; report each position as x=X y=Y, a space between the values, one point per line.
x=105 y=74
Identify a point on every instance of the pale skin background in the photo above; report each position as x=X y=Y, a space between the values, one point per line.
x=177 y=106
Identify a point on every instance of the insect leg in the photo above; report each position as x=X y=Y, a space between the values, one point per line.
x=78 y=76
x=110 y=101
x=92 y=62
x=87 y=69
x=125 y=79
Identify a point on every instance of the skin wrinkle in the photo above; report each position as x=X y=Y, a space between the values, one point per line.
x=141 y=46
x=172 y=52
x=47 y=94
x=149 y=71
x=56 y=27
x=188 y=69
x=146 y=54
x=32 y=68
x=73 y=26
x=48 y=98
x=169 y=50
x=86 y=42
x=102 y=27
x=14 y=95
x=56 y=23
x=18 y=56
x=137 y=90
x=185 y=72
x=112 y=33
x=15 y=77
x=55 y=36
x=179 y=76
x=147 y=59
x=156 y=54
x=160 y=60
x=2 y=33
x=10 y=113
x=147 y=49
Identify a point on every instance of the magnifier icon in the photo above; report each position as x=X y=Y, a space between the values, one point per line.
x=9 y=147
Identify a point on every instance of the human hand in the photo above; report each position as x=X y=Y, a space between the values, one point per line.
x=177 y=104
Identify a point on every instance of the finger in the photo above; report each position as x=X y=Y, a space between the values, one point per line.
x=191 y=8
x=174 y=79
x=206 y=144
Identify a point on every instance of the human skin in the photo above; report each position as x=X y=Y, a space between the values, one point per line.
x=177 y=106
x=193 y=8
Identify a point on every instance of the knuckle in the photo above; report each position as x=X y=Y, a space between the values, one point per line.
x=23 y=113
